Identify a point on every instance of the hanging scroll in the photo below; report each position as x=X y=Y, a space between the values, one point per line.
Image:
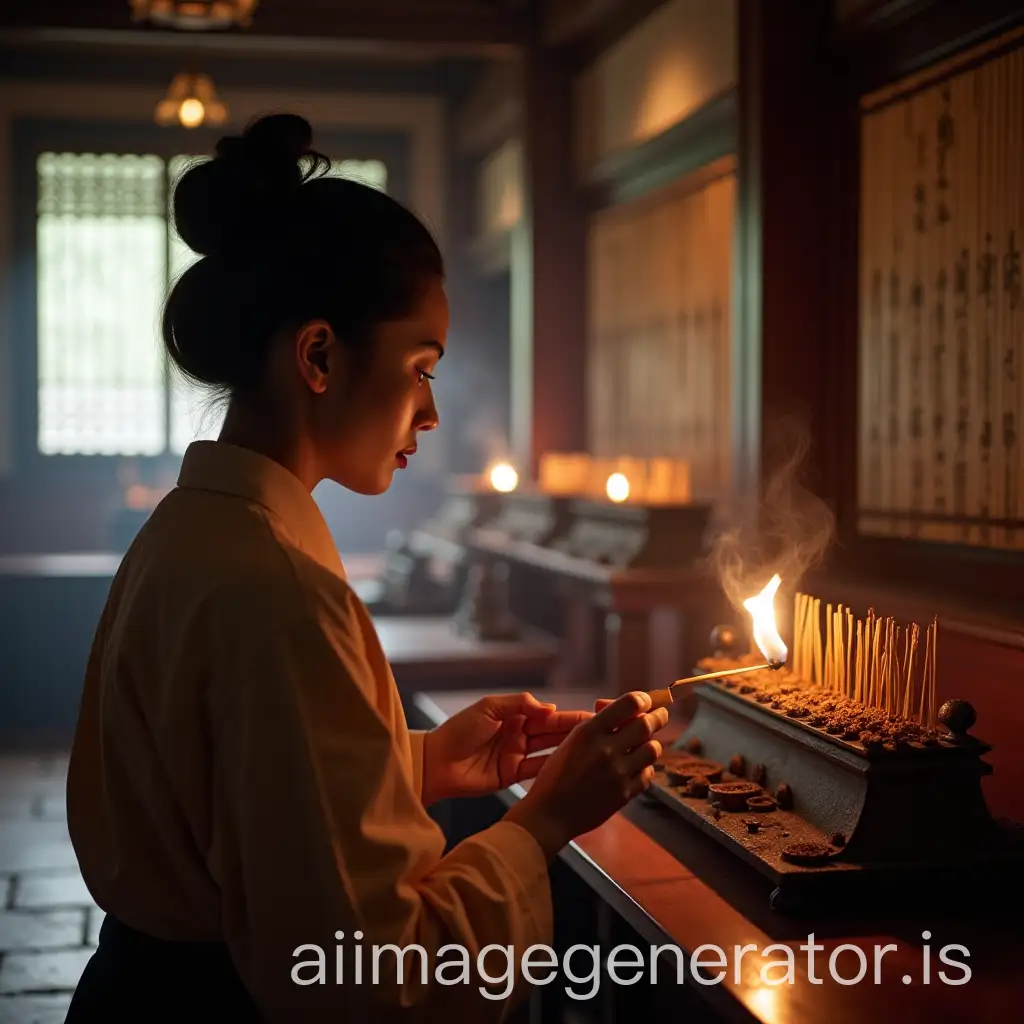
x=658 y=359
x=941 y=321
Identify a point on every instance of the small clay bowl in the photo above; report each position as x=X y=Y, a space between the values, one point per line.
x=805 y=854
x=732 y=796
x=760 y=803
x=697 y=786
x=681 y=770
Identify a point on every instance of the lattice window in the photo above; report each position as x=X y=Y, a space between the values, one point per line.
x=101 y=234
x=192 y=414
x=107 y=255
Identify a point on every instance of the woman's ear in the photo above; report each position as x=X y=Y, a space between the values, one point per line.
x=316 y=354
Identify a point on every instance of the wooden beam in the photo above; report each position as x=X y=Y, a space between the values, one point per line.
x=581 y=30
x=699 y=141
x=564 y=21
x=381 y=21
x=320 y=68
x=492 y=112
x=896 y=38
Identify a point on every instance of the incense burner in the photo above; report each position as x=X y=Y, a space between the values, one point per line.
x=829 y=797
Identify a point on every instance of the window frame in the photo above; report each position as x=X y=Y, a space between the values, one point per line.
x=32 y=137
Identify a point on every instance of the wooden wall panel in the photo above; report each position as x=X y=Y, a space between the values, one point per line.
x=941 y=321
x=659 y=329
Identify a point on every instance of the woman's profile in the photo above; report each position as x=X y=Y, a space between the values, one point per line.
x=243 y=788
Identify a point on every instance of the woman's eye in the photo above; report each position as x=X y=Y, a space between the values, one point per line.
x=423 y=373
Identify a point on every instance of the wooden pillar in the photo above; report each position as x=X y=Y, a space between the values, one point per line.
x=548 y=272
x=628 y=651
x=785 y=350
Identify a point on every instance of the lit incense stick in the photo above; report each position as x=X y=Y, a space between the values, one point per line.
x=659 y=698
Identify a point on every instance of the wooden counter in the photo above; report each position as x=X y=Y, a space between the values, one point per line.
x=674 y=886
x=427 y=652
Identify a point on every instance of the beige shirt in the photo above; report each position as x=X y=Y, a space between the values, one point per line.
x=242 y=770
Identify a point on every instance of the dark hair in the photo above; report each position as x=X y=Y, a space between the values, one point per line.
x=282 y=245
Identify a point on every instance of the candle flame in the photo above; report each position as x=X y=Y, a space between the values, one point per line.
x=766 y=633
x=503 y=477
x=617 y=487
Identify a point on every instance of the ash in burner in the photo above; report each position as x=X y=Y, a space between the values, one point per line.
x=833 y=713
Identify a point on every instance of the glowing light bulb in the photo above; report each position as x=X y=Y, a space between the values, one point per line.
x=191 y=112
x=503 y=477
x=617 y=487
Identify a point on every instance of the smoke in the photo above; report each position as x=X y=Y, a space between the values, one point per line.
x=789 y=534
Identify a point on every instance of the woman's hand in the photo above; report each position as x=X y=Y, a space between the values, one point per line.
x=604 y=764
x=488 y=746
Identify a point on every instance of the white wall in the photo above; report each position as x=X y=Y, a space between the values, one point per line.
x=421 y=116
x=668 y=67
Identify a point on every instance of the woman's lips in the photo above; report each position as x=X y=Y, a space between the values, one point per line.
x=402 y=458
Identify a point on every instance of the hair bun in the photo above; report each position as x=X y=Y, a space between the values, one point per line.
x=241 y=194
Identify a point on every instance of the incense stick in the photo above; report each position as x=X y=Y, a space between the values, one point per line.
x=873 y=661
x=848 y=689
x=664 y=697
x=829 y=656
x=816 y=623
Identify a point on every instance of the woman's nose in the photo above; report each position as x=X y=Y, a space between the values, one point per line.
x=428 y=417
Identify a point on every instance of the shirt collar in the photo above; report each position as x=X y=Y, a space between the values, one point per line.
x=243 y=473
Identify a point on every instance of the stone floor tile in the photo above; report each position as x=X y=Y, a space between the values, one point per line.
x=23 y=766
x=96 y=917
x=50 y=1009
x=50 y=807
x=40 y=889
x=55 y=765
x=32 y=845
x=19 y=807
x=39 y=930
x=43 y=972
x=18 y=782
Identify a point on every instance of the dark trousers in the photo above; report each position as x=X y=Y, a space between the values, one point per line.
x=135 y=977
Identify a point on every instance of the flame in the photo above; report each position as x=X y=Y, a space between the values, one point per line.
x=503 y=477
x=617 y=487
x=766 y=633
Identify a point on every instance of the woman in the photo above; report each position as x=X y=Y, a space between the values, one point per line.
x=243 y=782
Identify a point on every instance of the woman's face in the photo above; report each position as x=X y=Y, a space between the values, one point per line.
x=367 y=418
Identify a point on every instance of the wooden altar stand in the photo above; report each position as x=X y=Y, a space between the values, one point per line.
x=642 y=879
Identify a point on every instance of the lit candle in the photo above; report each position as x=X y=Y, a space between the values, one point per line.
x=617 y=487
x=503 y=477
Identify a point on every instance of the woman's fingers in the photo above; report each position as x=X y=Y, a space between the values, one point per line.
x=545 y=741
x=529 y=768
x=641 y=729
x=556 y=722
x=508 y=705
x=643 y=757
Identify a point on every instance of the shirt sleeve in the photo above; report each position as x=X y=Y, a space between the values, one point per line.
x=324 y=854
